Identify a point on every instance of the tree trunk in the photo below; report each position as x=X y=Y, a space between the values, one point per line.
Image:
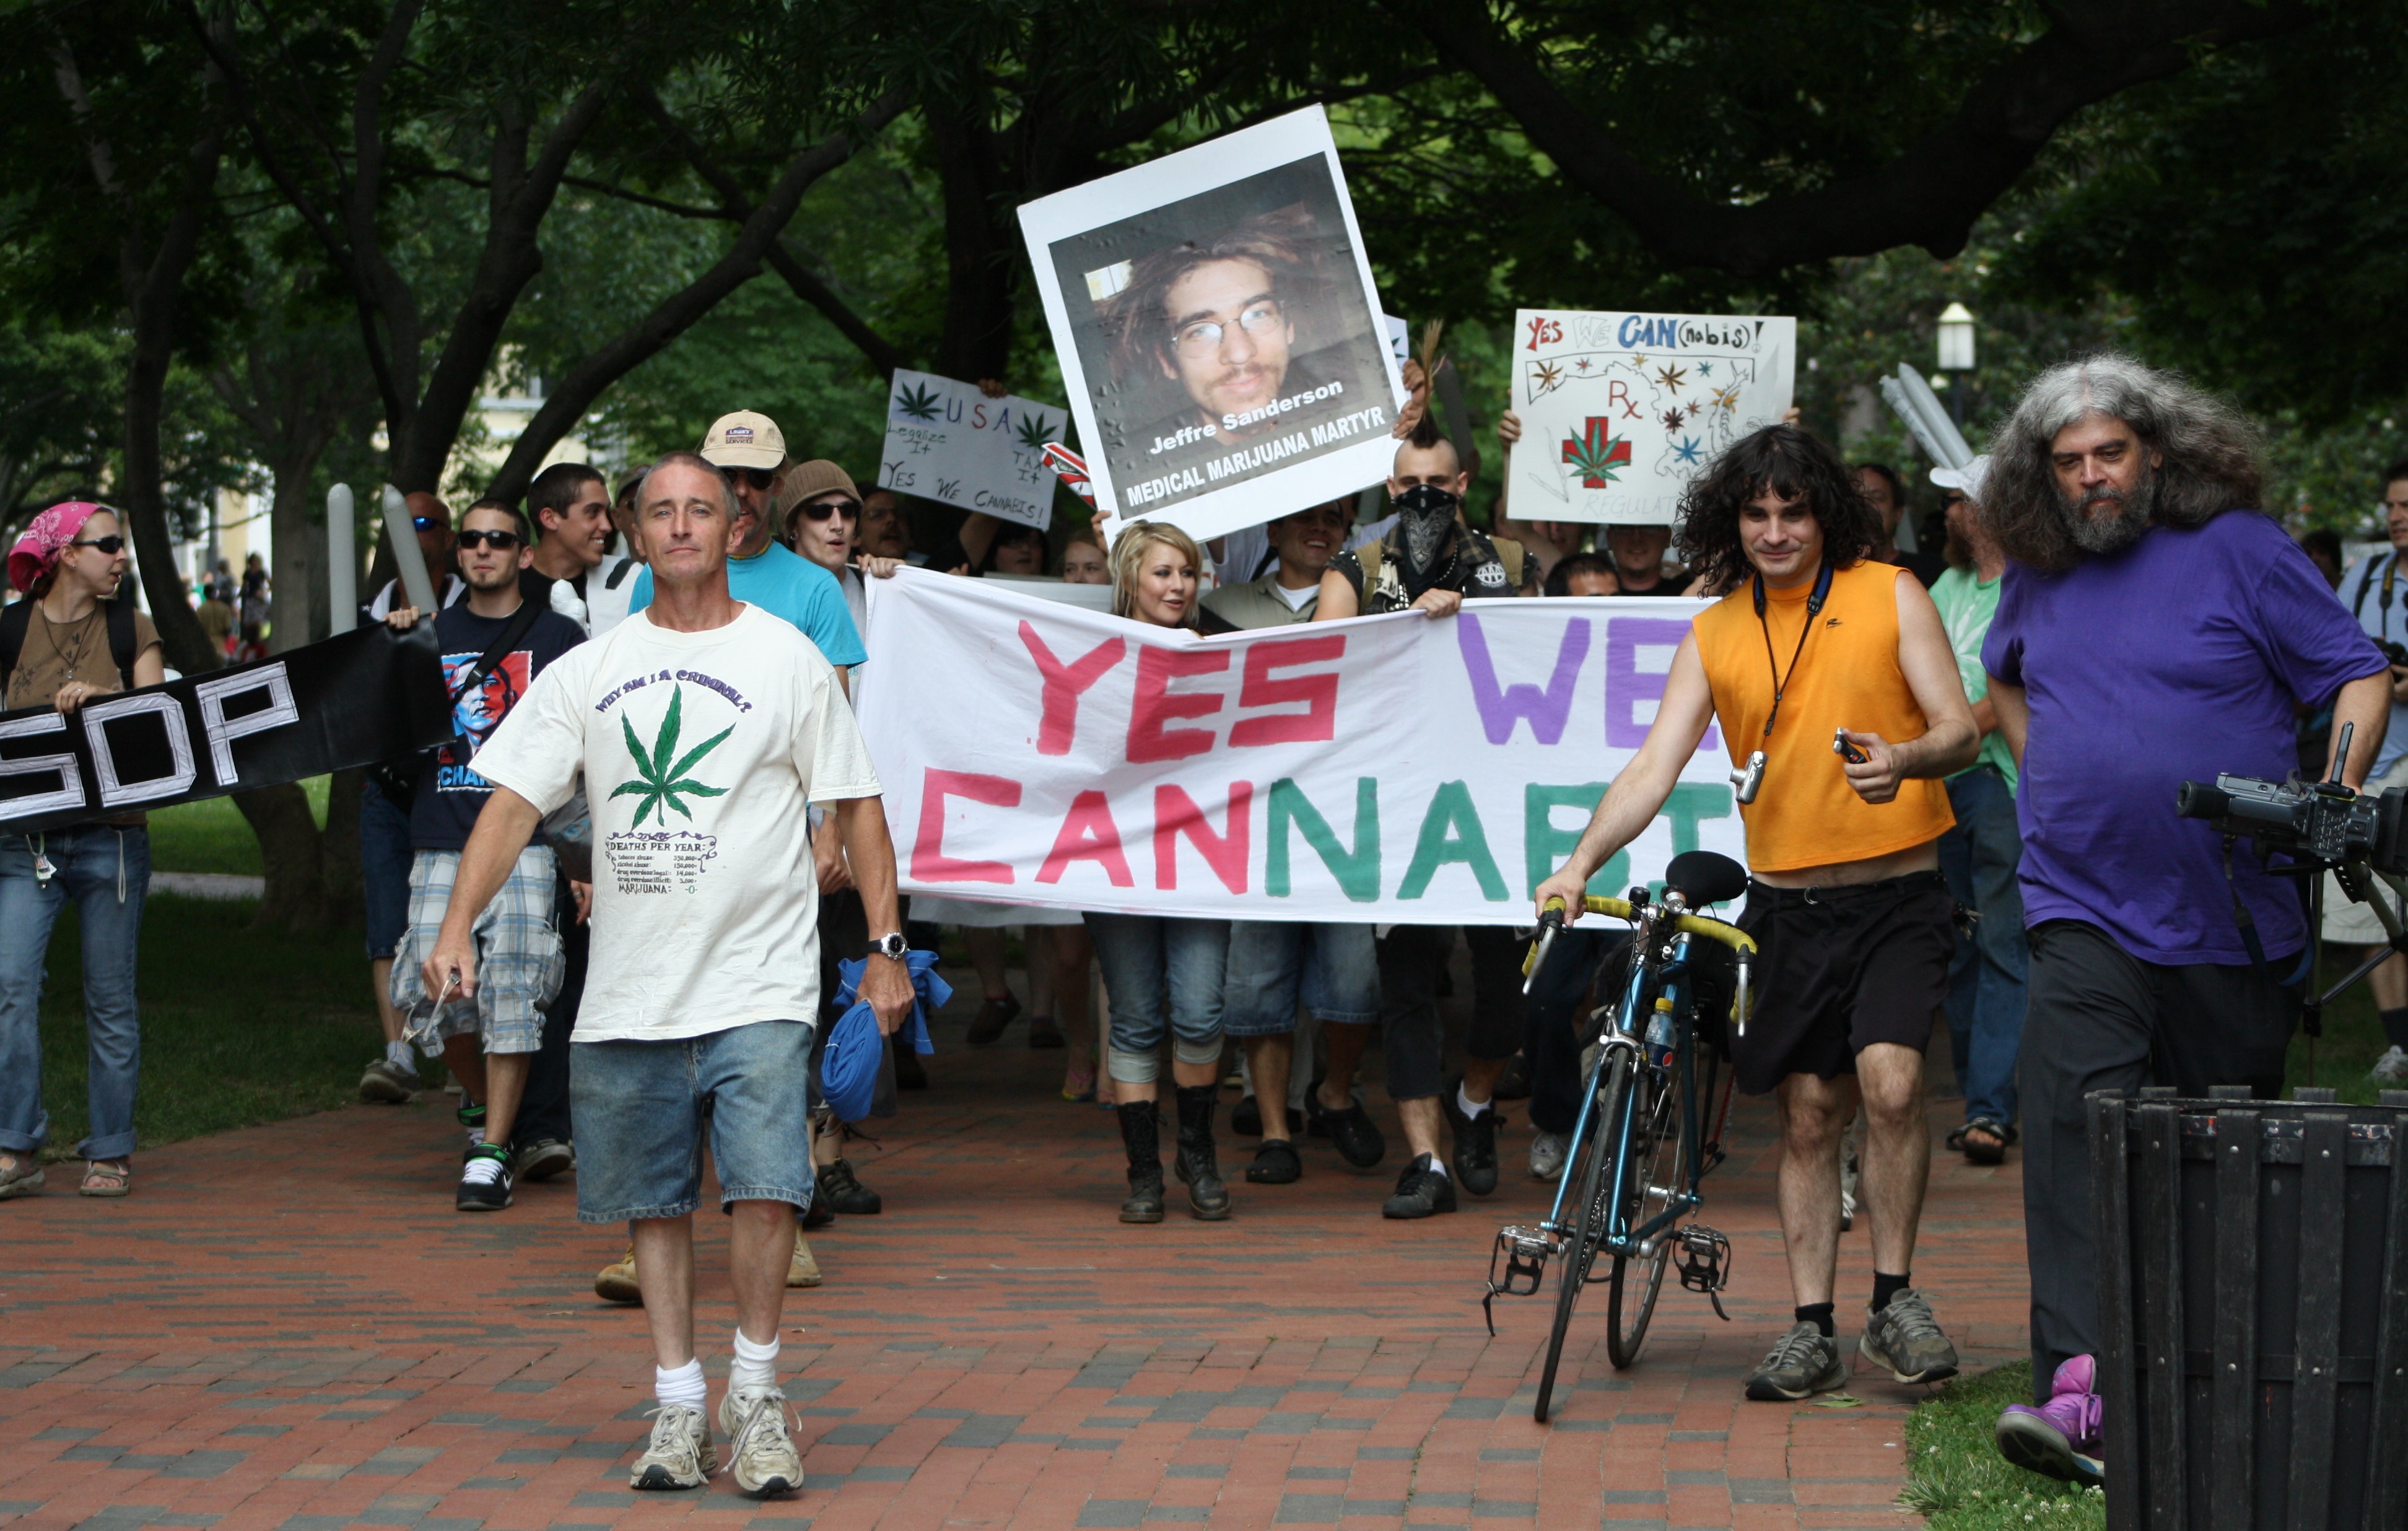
x=981 y=254
x=300 y=612
x=292 y=850
x=339 y=848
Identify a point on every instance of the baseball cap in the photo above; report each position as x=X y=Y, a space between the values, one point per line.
x=849 y=1063
x=1968 y=479
x=806 y=481
x=745 y=439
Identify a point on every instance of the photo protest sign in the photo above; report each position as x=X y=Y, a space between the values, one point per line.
x=949 y=442
x=1385 y=769
x=1218 y=330
x=1620 y=410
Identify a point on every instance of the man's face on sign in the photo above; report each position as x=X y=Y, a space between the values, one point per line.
x=1229 y=338
x=1782 y=538
x=682 y=513
x=1309 y=539
x=2395 y=511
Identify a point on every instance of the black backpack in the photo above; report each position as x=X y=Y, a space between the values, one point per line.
x=17 y=619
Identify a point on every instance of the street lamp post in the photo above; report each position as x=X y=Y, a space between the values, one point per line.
x=1955 y=355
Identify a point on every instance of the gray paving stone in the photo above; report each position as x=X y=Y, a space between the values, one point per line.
x=1113 y=1512
x=21 y=1507
x=1387 y=1453
x=601 y=1498
x=1076 y=1444
x=1504 y=1510
x=855 y=1435
x=981 y=1432
x=1179 y=1512
x=1196 y=1469
x=66 y=1431
x=1216 y=1432
x=255 y=1429
x=1711 y=1478
x=1442 y=1501
x=1310 y=1509
x=203 y=1464
x=470 y=1416
x=91 y=1453
x=779 y=1522
x=143 y=1460
x=1303 y=1471
x=1509 y=1453
x=1632 y=1496
x=1474 y=1408
x=493 y=1483
x=1285 y=1423
x=1761 y=1491
x=885 y=1472
x=1698 y=1435
x=522 y=1384
x=401 y=1461
x=1593 y=1428
x=352 y=1414
x=1644 y=1419
x=1375 y=1507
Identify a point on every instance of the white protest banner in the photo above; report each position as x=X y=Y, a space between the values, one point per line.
x=947 y=441
x=1219 y=334
x=1390 y=768
x=1620 y=410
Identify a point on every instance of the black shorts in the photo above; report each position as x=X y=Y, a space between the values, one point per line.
x=1838 y=969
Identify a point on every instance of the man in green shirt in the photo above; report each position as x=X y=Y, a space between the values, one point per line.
x=1980 y=856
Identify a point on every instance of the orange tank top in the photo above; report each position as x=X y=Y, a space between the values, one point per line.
x=1805 y=814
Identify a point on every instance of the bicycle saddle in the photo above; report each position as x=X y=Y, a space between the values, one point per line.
x=1705 y=878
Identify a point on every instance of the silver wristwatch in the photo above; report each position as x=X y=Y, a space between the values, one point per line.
x=891 y=945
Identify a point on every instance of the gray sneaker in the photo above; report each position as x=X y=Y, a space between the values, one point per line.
x=388 y=1082
x=760 y=1453
x=679 y=1455
x=1906 y=1338
x=1806 y=1362
x=1547 y=1154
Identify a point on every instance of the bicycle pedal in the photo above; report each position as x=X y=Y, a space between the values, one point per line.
x=1525 y=1252
x=1704 y=1257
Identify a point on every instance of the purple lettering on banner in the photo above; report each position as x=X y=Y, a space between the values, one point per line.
x=1548 y=711
x=1626 y=685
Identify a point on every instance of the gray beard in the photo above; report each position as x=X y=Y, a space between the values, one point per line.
x=2112 y=533
x=1423 y=536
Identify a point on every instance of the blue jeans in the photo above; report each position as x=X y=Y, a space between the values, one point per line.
x=1161 y=972
x=385 y=857
x=1987 y=979
x=106 y=871
x=1275 y=965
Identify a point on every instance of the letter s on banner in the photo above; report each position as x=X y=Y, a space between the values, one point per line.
x=70 y=792
x=180 y=775
x=1318 y=722
x=929 y=863
x=1155 y=704
x=213 y=694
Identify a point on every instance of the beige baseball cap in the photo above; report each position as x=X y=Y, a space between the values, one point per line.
x=745 y=439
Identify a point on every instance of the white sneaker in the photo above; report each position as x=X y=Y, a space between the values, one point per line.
x=2392 y=1067
x=1547 y=1154
x=679 y=1455
x=760 y=1453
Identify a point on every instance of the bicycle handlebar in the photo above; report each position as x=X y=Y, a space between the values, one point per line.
x=1551 y=923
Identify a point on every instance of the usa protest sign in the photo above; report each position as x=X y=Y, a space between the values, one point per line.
x=948 y=441
x=1620 y=410
x=1218 y=330
x=1391 y=768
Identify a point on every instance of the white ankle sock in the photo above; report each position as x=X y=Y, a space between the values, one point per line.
x=1464 y=1104
x=1439 y=1165
x=681 y=1385
x=755 y=1366
x=401 y=1055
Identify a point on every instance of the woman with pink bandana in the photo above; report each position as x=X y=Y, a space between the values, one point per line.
x=68 y=566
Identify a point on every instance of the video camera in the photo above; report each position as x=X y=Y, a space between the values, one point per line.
x=2321 y=824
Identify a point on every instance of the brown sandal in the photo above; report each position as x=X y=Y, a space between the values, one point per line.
x=107 y=1178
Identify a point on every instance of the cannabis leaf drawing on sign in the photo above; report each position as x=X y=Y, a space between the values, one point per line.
x=1597 y=454
x=1032 y=431
x=659 y=784
x=917 y=400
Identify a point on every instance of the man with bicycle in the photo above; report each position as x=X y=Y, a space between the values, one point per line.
x=1818 y=642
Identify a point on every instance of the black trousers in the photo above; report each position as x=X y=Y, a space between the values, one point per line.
x=1555 y=1017
x=543 y=1112
x=1409 y=957
x=2099 y=1018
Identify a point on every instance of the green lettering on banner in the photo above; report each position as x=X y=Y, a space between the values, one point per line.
x=1452 y=832
x=1357 y=871
x=1691 y=802
x=1544 y=844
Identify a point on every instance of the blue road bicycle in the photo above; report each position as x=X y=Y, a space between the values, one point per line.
x=1640 y=1146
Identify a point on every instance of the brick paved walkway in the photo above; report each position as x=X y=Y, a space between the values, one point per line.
x=288 y=1327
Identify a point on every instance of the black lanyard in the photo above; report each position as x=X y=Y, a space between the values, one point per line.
x=1813 y=610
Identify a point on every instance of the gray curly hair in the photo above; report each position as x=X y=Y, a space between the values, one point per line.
x=2209 y=458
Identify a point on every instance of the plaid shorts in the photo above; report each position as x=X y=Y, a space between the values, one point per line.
x=520 y=959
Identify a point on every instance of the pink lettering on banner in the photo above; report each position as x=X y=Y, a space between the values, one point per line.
x=1175 y=813
x=1318 y=692
x=929 y=863
x=1088 y=833
x=1157 y=704
x=1626 y=685
x=1547 y=710
x=1064 y=686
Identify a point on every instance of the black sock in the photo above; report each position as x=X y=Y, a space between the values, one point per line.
x=2395 y=1026
x=1819 y=1314
x=1886 y=1287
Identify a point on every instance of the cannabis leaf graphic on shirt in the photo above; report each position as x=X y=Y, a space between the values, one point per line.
x=917 y=400
x=659 y=784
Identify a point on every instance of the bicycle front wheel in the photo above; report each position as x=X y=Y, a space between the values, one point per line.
x=1655 y=1170
x=1594 y=1179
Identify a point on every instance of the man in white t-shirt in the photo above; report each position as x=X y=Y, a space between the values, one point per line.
x=703 y=727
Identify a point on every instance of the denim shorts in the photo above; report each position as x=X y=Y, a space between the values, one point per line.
x=384 y=869
x=641 y=1108
x=1333 y=970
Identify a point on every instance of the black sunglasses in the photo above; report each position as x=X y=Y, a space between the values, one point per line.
x=821 y=509
x=426 y=523
x=476 y=538
x=112 y=544
x=758 y=478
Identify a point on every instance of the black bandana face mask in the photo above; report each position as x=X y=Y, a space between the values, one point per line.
x=1425 y=525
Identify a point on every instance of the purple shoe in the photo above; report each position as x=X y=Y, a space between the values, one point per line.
x=2060 y=1438
x=2078 y=1375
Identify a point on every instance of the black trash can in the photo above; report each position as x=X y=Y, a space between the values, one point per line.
x=2252 y=1296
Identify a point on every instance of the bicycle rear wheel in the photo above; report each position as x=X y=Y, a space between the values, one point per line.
x=1655 y=1171
x=1588 y=1222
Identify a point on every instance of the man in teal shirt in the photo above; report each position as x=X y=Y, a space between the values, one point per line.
x=750 y=449
x=1981 y=855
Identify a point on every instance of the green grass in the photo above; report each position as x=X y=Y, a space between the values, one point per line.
x=2353 y=1037
x=239 y=1026
x=212 y=835
x=1955 y=1476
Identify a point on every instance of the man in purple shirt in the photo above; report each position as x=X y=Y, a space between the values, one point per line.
x=2151 y=630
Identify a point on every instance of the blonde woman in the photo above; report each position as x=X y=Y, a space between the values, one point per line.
x=1160 y=973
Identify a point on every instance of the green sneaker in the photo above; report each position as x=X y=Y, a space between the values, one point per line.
x=1804 y=1362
